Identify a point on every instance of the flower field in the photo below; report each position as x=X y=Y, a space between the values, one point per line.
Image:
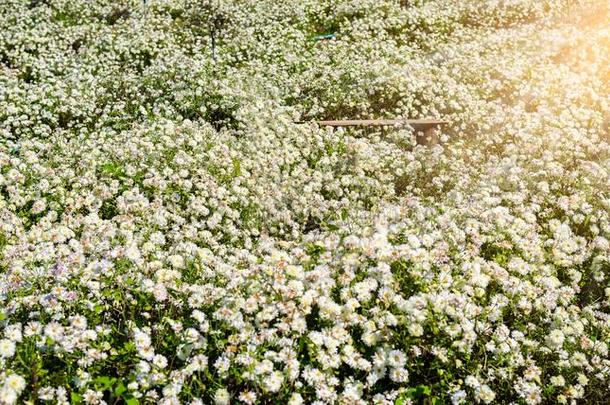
x=173 y=230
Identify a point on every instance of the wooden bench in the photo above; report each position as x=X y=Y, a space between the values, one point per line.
x=427 y=127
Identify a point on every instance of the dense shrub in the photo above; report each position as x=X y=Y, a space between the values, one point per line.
x=169 y=233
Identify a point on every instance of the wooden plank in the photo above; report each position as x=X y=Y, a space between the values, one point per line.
x=419 y=123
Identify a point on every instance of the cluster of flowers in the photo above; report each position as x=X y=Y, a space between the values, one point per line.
x=170 y=233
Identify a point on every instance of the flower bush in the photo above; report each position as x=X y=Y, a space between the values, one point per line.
x=172 y=232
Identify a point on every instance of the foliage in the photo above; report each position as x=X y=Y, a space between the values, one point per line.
x=170 y=232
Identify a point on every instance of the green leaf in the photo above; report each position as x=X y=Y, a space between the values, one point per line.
x=75 y=398
x=128 y=348
x=105 y=382
x=424 y=390
x=410 y=393
x=132 y=401
x=120 y=389
x=236 y=168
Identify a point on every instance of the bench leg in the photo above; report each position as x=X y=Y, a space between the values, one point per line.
x=429 y=137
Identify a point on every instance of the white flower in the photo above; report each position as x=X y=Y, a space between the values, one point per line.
x=555 y=338
x=558 y=381
x=152 y=185
x=399 y=375
x=141 y=339
x=176 y=261
x=221 y=397
x=79 y=322
x=7 y=395
x=54 y=330
x=133 y=252
x=458 y=397
x=273 y=382
x=396 y=358
x=147 y=352
x=582 y=379
x=13 y=332
x=247 y=397
x=92 y=397
x=485 y=394
x=295 y=399
x=160 y=292
x=159 y=361
x=15 y=382
x=7 y=348
x=46 y=393
x=416 y=330
x=472 y=382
